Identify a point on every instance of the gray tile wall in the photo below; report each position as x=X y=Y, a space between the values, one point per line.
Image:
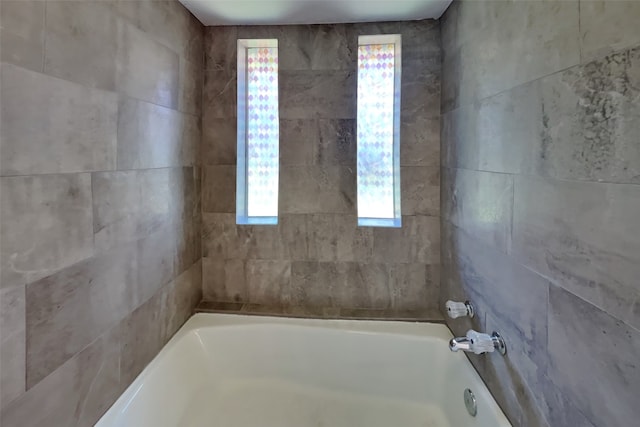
x=99 y=199
x=317 y=256
x=541 y=201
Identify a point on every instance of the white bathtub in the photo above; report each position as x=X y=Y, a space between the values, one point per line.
x=231 y=371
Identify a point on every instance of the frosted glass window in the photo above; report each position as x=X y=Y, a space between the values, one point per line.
x=258 y=132
x=379 y=130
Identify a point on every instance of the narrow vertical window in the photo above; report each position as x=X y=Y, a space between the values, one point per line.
x=379 y=130
x=258 y=132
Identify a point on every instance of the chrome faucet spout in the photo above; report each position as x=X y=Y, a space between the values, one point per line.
x=460 y=343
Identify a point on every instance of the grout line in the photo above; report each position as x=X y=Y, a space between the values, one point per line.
x=547 y=177
x=97 y=171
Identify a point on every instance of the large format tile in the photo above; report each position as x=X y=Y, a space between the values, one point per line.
x=512 y=296
x=133 y=204
x=491 y=60
x=507 y=132
x=481 y=203
x=45 y=225
x=221 y=48
x=358 y=285
x=607 y=26
x=219 y=95
x=578 y=235
x=317 y=189
x=12 y=344
x=418 y=240
x=590 y=121
x=334 y=237
x=420 y=190
x=81 y=43
x=223 y=239
x=22 y=33
x=336 y=143
x=69 y=309
x=224 y=280
x=219 y=141
x=599 y=370
x=52 y=126
x=151 y=136
x=299 y=141
x=219 y=189
x=191 y=84
x=317 y=94
x=419 y=141
x=77 y=393
x=146 y=70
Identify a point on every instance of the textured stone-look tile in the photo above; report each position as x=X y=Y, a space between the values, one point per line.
x=219 y=96
x=604 y=352
x=141 y=336
x=377 y=286
x=590 y=120
x=51 y=125
x=146 y=70
x=22 y=33
x=183 y=294
x=459 y=138
x=481 y=203
x=156 y=263
x=191 y=84
x=77 y=393
x=299 y=139
x=12 y=344
x=491 y=60
x=420 y=190
x=221 y=48
x=268 y=281
x=519 y=294
x=222 y=238
x=224 y=280
x=507 y=133
x=191 y=140
x=168 y=23
x=607 y=26
x=149 y=136
x=336 y=144
x=317 y=94
x=329 y=284
x=418 y=240
x=219 y=189
x=69 y=309
x=45 y=225
x=578 y=235
x=334 y=237
x=81 y=43
x=134 y=204
x=420 y=141
x=219 y=141
x=420 y=92
x=253 y=281
x=548 y=32
x=317 y=189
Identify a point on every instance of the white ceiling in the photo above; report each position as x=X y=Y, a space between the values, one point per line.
x=272 y=12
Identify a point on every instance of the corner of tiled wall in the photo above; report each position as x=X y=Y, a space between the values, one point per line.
x=100 y=199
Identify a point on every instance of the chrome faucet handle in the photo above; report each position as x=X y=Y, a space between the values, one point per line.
x=484 y=343
x=459 y=309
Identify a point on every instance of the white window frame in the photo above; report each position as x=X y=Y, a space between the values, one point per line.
x=396 y=40
x=242 y=193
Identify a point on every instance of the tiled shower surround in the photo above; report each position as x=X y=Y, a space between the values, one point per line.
x=100 y=211
x=541 y=202
x=317 y=257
